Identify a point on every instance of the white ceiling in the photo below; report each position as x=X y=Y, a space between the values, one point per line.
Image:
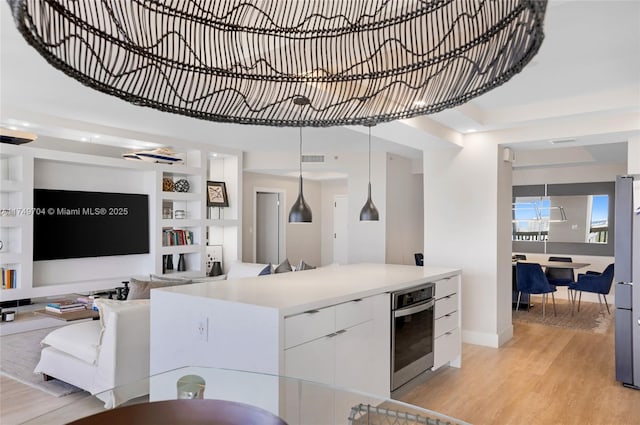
x=588 y=70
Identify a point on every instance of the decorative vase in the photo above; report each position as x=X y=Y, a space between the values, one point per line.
x=169 y=262
x=181 y=185
x=167 y=184
x=181 y=263
x=216 y=269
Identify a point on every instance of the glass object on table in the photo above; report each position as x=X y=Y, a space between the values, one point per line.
x=191 y=387
x=292 y=401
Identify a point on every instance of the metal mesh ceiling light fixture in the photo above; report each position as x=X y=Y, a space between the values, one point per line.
x=300 y=211
x=243 y=61
x=369 y=212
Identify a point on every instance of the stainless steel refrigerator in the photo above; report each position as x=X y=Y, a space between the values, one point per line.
x=627 y=278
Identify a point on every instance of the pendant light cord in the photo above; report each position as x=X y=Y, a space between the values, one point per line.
x=300 y=147
x=369 y=154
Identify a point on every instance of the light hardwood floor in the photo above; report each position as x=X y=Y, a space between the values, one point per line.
x=544 y=375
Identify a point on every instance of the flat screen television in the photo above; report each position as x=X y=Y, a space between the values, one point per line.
x=77 y=224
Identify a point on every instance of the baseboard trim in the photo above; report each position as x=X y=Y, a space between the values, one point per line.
x=481 y=338
x=505 y=336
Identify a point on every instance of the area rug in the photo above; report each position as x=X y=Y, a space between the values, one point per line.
x=588 y=319
x=19 y=354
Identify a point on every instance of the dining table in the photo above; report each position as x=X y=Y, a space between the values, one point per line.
x=556 y=264
x=525 y=301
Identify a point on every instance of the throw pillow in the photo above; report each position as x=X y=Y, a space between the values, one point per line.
x=80 y=340
x=305 y=266
x=155 y=277
x=141 y=289
x=283 y=267
x=266 y=270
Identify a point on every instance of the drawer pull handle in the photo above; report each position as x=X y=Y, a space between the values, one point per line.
x=341 y=331
x=448 y=333
x=357 y=301
x=312 y=312
x=448 y=315
x=331 y=335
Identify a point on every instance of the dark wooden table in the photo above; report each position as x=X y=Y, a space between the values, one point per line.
x=184 y=412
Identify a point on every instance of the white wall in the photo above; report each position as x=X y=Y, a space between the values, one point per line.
x=572 y=174
x=461 y=230
x=330 y=188
x=633 y=156
x=366 y=239
x=405 y=212
x=302 y=239
x=503 y=253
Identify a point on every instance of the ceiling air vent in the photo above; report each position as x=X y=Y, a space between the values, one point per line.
x=312 y=158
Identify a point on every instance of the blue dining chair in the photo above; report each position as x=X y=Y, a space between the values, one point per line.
x=558 y=276
x=594 y=282
x=530 y=279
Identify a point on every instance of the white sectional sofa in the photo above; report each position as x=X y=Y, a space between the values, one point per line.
x=99 y=356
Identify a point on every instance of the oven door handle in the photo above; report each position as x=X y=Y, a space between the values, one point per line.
x=407 y=311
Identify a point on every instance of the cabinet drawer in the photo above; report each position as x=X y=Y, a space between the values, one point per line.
x=308 y=326
x=446 y=305
x=353 y=312
x=446 y=286
x=446 y=348
x=446 y=323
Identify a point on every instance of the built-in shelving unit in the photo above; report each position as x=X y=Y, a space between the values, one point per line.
x=23 y=168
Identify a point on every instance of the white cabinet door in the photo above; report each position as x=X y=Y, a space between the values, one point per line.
x=447 y=347
x=354 y=359
x=313 y=361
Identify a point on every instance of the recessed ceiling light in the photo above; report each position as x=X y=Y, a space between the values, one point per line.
x=471 y=130
x=13 y=127
x=26 y=124
x=84 y=139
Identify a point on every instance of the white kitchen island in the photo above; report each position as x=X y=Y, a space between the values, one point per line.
x=329 y=325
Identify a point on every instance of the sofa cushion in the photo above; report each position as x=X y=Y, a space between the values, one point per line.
x=239 y=269
x=305 y=266
x=80 y=340
x=268 y=269
x=141 y=289
x=283 y=267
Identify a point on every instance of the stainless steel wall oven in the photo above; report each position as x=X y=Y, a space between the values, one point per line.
x=412 y=333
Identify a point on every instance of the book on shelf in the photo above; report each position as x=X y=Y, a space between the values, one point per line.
x=9 y=278
x=172 y=237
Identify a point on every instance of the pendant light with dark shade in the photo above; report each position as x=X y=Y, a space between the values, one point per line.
x=369 y=212
x=300 y=211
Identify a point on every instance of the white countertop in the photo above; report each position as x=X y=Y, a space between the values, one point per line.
x=296 y=292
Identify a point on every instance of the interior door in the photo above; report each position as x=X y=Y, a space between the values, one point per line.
x=340 y=233
x=268 y=213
